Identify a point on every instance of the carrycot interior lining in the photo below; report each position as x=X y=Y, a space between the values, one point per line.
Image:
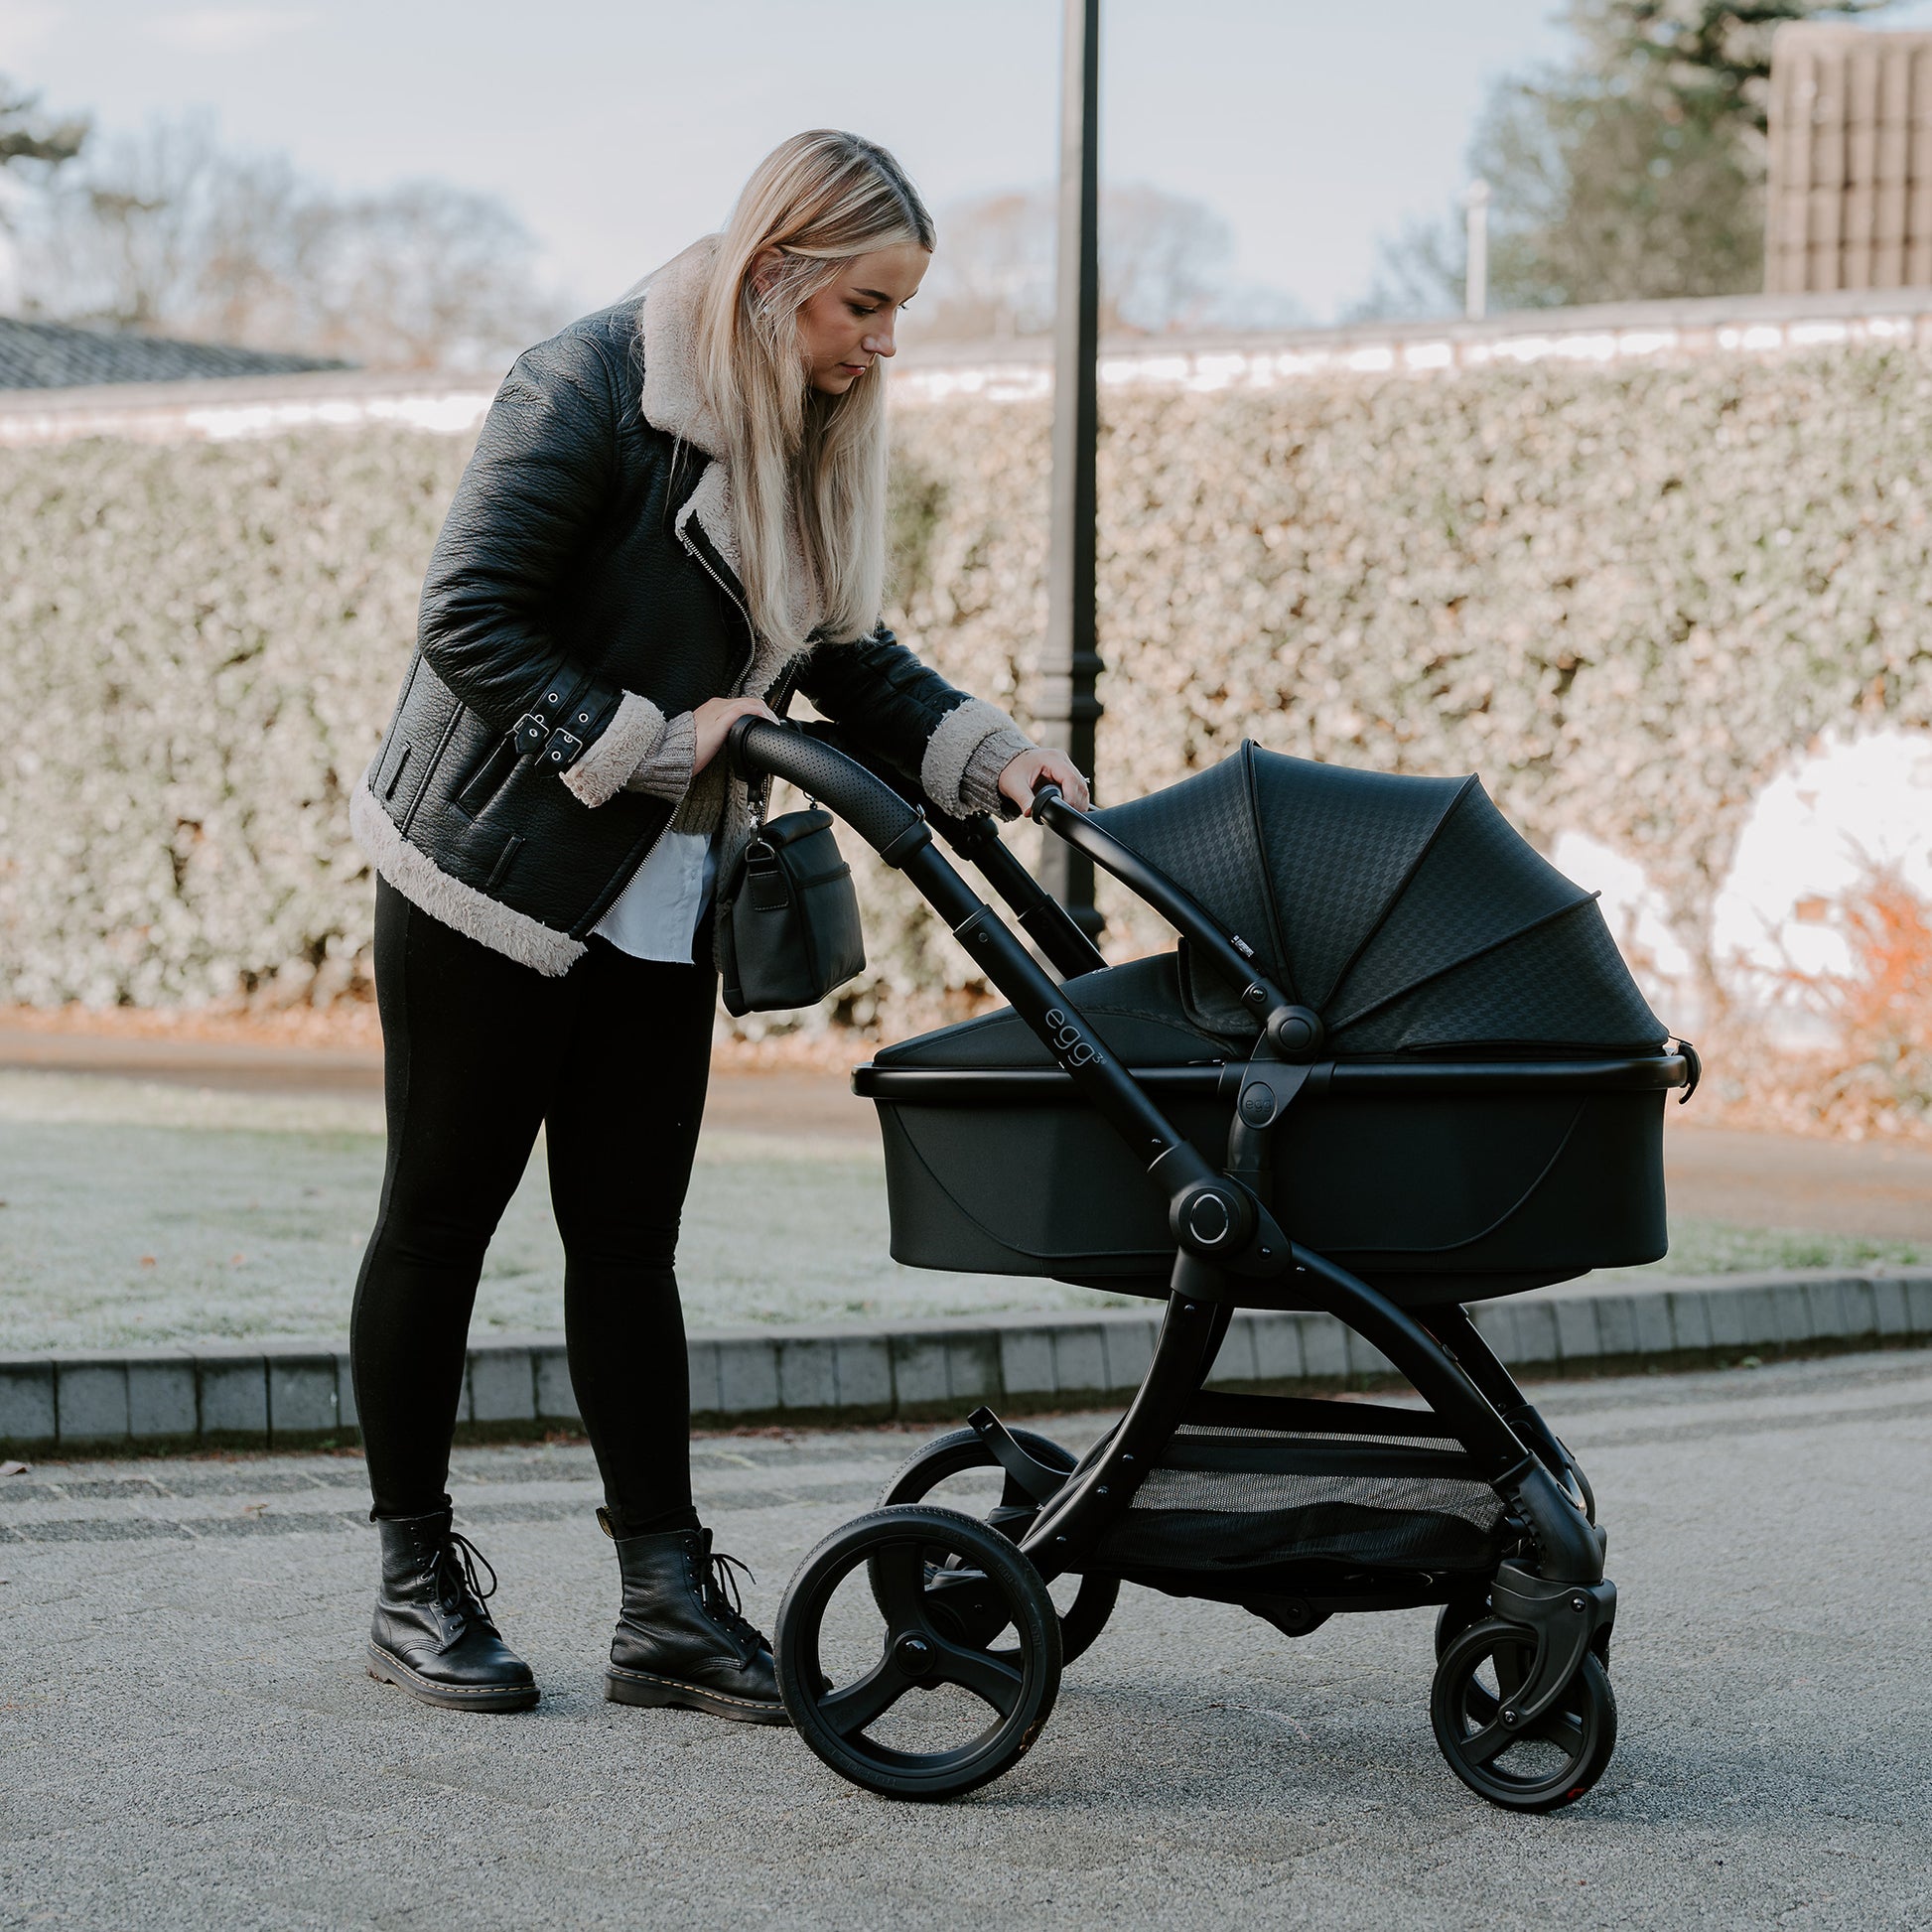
x=1136 y=1009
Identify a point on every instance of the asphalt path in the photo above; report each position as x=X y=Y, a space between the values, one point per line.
x=188 y=1738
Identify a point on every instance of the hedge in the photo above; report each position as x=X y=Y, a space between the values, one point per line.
x=1624 y=596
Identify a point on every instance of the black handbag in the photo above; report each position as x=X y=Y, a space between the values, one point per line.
x=789 y=919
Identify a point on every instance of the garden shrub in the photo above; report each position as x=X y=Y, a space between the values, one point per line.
x=1624 y=596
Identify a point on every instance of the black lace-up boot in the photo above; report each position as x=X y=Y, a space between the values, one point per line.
x=682 y=1637
x=431 y=1634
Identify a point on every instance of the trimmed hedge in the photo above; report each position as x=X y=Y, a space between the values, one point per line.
x=1625 y=597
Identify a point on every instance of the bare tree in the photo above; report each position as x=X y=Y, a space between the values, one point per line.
x=1162 y=267
x=115 y=242
x=168 y=232
x=994 y=273
x=34 y=146
x=428 y=274
x=1162 y=260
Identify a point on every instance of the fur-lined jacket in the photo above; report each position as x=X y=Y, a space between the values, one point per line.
x=581 y=603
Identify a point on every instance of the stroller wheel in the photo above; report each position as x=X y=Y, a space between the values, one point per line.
x=908 y=1717
x=1544 y=1765
x=1089 y=1600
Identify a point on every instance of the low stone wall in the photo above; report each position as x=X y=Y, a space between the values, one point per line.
x=295 y=1395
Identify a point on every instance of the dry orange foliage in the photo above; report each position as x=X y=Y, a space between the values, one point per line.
x=1876 y=1078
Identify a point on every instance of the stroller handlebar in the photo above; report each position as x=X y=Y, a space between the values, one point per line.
x=867 y=803
x=891 y=814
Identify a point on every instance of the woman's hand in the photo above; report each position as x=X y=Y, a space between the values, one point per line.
x=714 y=719
x=1017 y=781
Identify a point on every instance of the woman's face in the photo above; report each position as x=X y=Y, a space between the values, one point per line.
x=848 y=324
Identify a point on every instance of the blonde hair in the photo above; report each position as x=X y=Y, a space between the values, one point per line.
x=818 y=200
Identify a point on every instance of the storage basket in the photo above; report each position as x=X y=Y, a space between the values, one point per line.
x=1226 y=1501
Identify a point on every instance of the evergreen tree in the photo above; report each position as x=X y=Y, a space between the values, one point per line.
x=1636 y=170
x=29 y=141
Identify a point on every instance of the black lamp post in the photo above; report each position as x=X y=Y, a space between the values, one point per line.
x=1068 y=708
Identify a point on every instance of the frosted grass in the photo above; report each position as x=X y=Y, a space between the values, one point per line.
x=140 y=1213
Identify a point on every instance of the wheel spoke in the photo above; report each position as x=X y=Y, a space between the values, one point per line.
x=1486 y=1743
x=899 y=1573
x=981 y=1673
x=1512 y=1663
x=1561 y=1729
x=851 y=1709
x=1478 y=1705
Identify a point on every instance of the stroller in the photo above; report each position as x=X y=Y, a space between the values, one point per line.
x=1434 y=1082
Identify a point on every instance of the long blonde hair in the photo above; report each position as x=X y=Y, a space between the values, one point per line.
x=818 y=200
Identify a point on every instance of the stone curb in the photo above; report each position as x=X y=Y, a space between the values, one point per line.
x=299 y=1394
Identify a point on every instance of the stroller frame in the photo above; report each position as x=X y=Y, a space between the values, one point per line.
x=1523 y=1649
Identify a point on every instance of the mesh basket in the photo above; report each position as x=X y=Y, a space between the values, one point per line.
x=1233 y=1499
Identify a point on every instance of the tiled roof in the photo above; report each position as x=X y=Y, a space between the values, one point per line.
x=56 y=355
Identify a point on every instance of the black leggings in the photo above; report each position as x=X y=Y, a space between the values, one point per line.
x=611 y=1060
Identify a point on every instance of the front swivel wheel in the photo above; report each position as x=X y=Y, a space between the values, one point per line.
x=906 y=1712
x=1542 y=1764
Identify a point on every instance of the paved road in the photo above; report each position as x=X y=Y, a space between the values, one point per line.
x=190 y=1739
x=782 y=1099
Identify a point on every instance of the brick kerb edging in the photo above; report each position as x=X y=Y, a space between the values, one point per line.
x=288 y=1394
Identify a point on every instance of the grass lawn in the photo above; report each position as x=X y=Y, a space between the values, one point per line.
x=133 y=1213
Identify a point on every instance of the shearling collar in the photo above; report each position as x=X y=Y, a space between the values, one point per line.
x=674 y=401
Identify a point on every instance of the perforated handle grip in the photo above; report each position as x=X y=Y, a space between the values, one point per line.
x=867 y=805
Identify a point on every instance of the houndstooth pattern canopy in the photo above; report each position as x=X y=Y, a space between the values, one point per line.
x=1407 y=912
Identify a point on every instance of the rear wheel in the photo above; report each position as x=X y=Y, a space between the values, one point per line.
x=1539 y=1766
x=959 y=1471
x=931 y=1709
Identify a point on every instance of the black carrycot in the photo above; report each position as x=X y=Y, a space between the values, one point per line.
x=1485 y=1112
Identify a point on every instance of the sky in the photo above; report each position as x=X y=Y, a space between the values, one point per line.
x=618 y=130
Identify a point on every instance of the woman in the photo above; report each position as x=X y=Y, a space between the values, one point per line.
x=674 y=519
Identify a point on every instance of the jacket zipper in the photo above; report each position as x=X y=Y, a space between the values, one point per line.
x=757 y=796
x=751 y=629
x=683 y=536
x=407 y=821
x=597 y=911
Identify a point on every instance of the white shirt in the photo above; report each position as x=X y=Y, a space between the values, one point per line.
x=656 y=915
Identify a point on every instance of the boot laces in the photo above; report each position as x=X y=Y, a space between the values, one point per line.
x=723 y=1599
x=453 y=1569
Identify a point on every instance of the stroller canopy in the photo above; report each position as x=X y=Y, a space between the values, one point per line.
x=1406 y=911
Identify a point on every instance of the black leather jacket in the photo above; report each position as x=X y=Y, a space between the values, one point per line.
x=563 y=579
